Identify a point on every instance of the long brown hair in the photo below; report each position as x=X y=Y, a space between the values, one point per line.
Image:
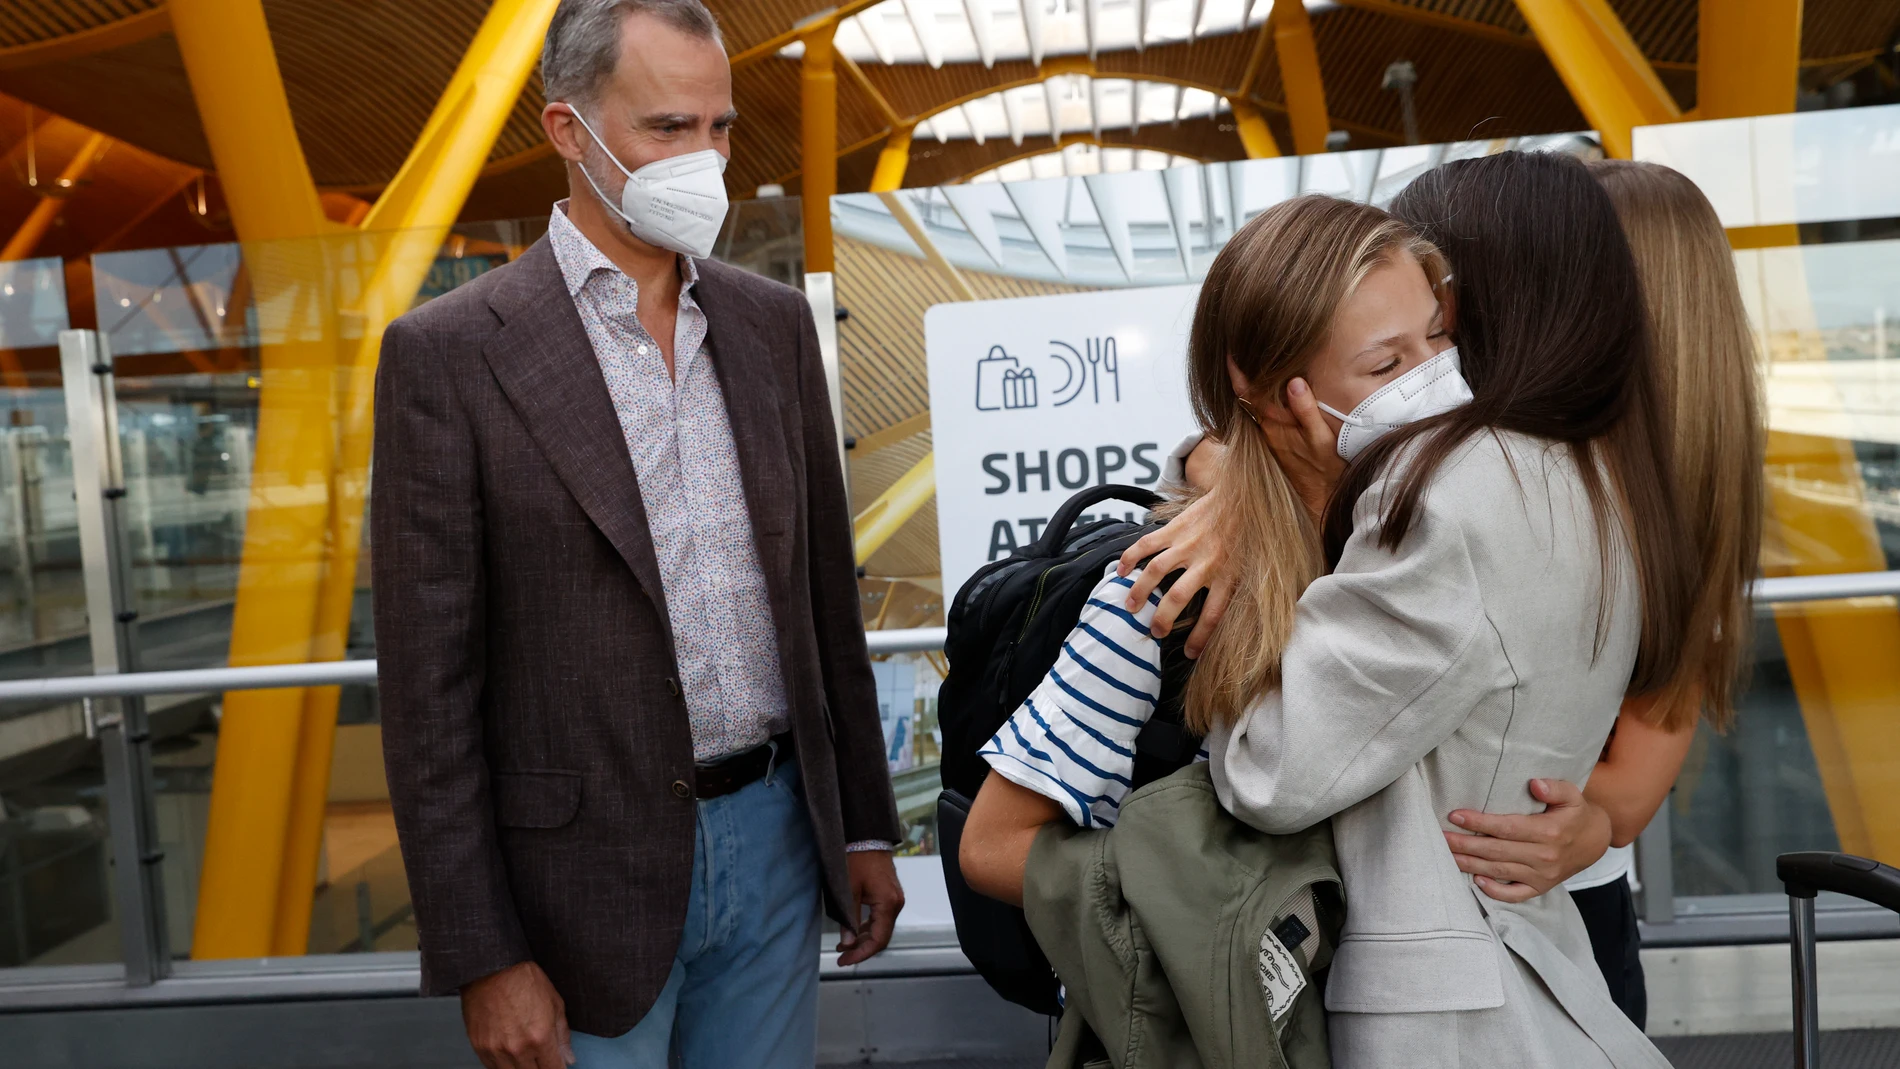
x=1268 y=303
x=1553 y=342
x=1709 y=396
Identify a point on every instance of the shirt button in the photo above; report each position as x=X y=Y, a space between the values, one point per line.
x=681 y=789
x=641 y=349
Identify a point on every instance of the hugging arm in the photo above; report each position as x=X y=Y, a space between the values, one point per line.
x=1068 y=752
x=1002 y=827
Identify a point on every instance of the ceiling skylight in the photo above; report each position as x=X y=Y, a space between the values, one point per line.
x=983 y=31
x=1070 y=104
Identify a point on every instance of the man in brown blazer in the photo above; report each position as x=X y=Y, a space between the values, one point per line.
x=629 y=721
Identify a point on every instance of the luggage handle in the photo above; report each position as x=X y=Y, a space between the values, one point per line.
x=1065 y=517
x=1807 y=872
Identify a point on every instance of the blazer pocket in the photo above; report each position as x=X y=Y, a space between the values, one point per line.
x=540 y=799
x=1422 y=972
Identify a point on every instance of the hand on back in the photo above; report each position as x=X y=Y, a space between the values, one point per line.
x=1517 y=858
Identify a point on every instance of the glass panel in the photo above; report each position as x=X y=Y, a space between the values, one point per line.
x=1813 y=762
x=56 y=900
x=233 y=371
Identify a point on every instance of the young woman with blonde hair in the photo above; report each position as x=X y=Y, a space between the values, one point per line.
x=1709 y=399
x=1501 y=571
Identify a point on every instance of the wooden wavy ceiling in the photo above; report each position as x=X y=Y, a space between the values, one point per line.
x=362 y=76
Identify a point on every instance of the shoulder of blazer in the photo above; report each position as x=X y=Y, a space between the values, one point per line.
x=725 y=284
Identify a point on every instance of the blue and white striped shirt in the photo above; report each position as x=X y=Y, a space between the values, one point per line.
x=1073 y=738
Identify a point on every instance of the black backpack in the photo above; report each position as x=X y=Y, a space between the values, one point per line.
x=1006 y=628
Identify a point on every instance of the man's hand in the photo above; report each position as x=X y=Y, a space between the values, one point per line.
x=1517 y=858
x=516 y=1020
x=874 y=884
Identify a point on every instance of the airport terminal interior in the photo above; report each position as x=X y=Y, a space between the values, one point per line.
x=211 y=209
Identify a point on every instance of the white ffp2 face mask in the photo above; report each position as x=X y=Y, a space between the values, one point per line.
x=1435 y=386
x=677 y=203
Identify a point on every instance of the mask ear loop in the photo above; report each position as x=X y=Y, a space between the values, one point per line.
x=582 y=164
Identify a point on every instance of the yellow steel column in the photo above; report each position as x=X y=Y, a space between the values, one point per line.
x=40 y=219
x=892 y=161
x=1607 y=75
x=407 y=226
x=894 y=507
x=1252 y=129
x=232 y=66
x=1299 y=76
x=818 y=121
x=1748 y=60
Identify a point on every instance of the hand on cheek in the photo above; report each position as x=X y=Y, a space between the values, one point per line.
x=1306 y=445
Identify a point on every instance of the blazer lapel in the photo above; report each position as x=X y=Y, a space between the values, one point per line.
x=545 y=363
x=738 y=330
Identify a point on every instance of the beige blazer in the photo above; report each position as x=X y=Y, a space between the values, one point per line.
x=1446 y=675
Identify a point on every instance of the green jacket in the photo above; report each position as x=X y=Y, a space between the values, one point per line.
x=1163 y=931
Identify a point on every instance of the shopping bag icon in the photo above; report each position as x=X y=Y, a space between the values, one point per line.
x=1002 y=382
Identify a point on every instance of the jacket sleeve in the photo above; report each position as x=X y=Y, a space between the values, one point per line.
x=1389 y=655
x=864 y=778
x=426 y=525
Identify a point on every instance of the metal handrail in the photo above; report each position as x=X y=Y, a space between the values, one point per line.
x=1780 y=590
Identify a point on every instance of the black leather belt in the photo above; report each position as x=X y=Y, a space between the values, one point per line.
x=730 y=774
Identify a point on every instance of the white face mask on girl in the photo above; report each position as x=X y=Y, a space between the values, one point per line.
x=677 y=203
x=1435 y=386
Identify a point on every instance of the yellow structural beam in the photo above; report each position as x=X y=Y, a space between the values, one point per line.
x=232 y=66
x=894 y=507
x=1251 y=126
x=40 y=219
x=297 y=577
x=818 y=142
x=892 y=161
x=1299 y=76
x=1607 y=75
x=1748 y=61
x=406 y=228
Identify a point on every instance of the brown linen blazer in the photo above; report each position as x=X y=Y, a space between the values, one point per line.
x=539 y=759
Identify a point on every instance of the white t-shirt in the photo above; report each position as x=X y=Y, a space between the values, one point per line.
x=1616 y=863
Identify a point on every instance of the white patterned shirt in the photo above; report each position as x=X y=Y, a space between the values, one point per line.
x=688 y=470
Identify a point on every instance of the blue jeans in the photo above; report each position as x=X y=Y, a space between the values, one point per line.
x=744 y=986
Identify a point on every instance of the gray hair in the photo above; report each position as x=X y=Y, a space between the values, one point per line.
x=583 y=42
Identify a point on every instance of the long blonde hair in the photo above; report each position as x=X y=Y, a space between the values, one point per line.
x=1710 y=401
x=1267 y=305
